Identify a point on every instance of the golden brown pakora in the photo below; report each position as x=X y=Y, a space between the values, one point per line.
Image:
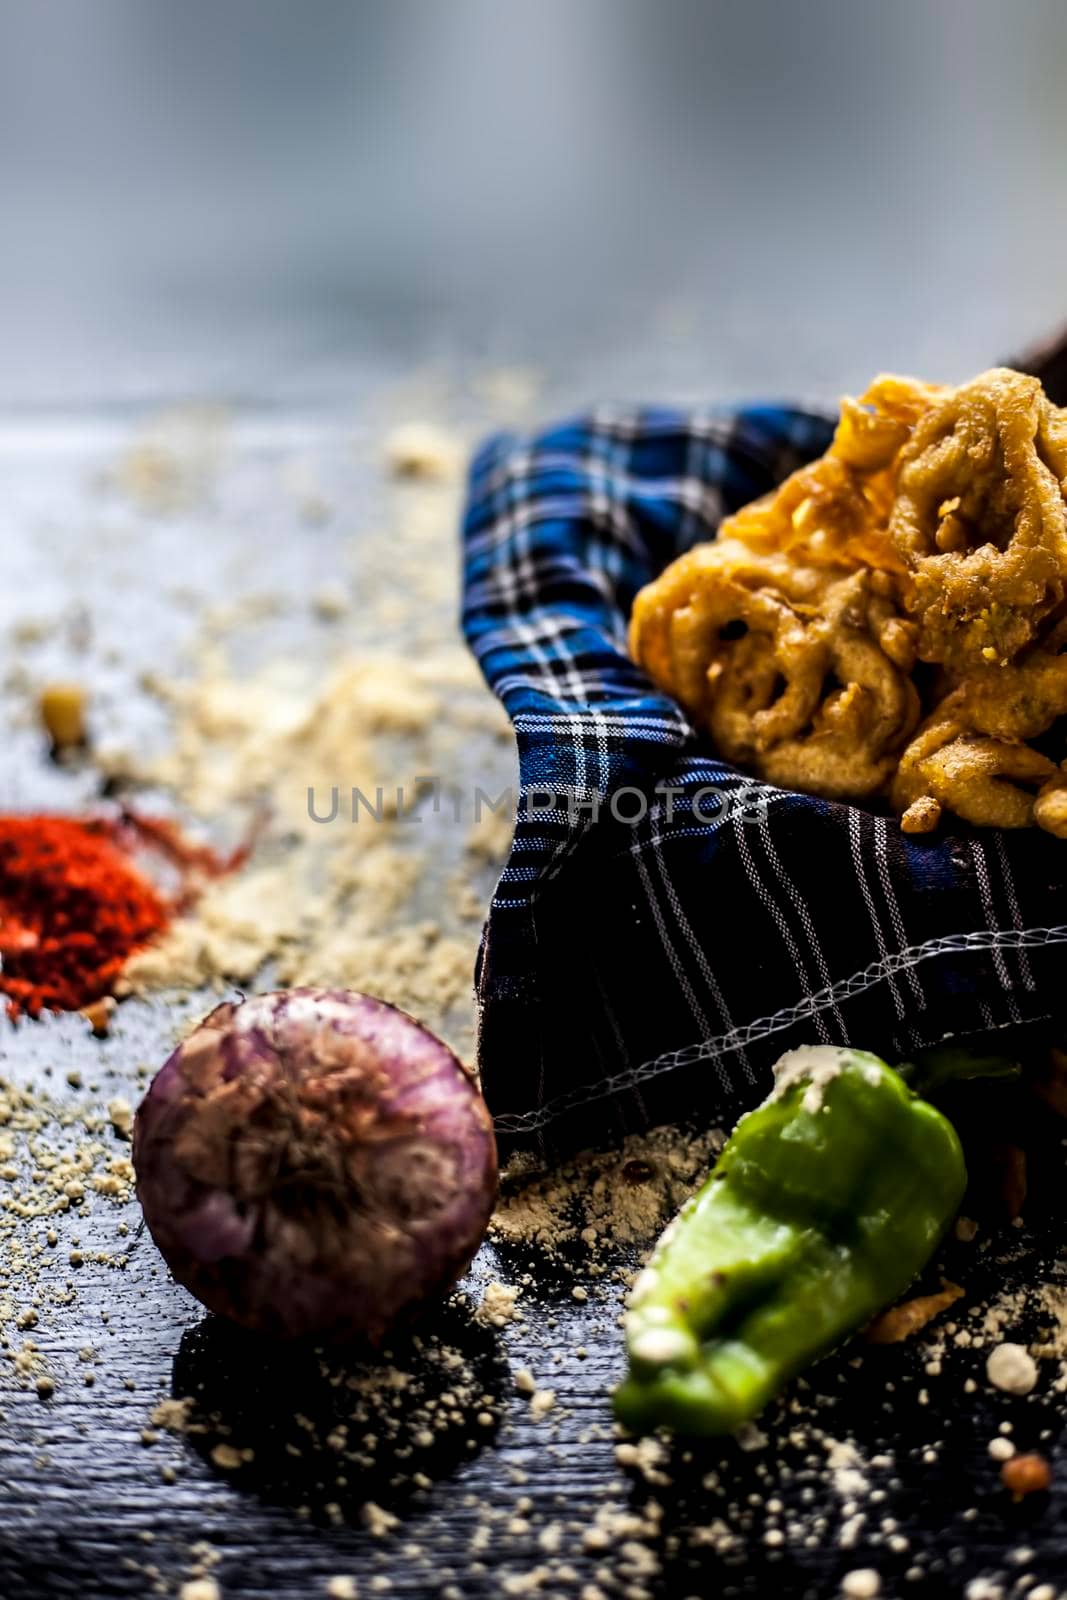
x=991 y=783
x=805 y=678
x=835 y=511
x=933 y=530
x=979 y=519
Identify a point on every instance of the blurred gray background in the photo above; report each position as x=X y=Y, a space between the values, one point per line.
x=647 y=198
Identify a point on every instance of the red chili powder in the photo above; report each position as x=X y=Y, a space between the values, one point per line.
x=73 y=908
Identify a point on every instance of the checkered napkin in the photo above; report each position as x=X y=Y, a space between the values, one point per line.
x=667 y=925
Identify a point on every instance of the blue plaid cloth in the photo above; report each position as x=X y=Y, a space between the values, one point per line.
x=667 y=925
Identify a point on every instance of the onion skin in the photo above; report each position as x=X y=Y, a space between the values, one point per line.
x=314 y=1163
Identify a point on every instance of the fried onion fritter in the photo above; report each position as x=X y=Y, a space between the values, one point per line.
x=978 y=735
x=1018 y=701
x=686 y=628
x=835 y=511
x=934 y=531
x=980 y=520
x=691 y=589
x=807 y=682
x=868 y=708
x=1050 y=807
x=991 y=783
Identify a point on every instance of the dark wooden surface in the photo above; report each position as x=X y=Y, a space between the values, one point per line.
x=85 y=1510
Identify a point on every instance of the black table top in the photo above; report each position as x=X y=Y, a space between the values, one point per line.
x=881 y=1463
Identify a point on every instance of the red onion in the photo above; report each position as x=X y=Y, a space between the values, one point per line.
x=314 y=1162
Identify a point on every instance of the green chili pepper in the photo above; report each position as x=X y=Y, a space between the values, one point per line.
x=825 y=1203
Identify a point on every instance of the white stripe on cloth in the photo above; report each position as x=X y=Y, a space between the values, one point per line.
x=799 y=903
x=981 y=872
x=771 y=905
x=859 y=862
x=881 y=854
x=1008 y=880
x=803 y=1010
x=668 y=946
x=706 y=972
